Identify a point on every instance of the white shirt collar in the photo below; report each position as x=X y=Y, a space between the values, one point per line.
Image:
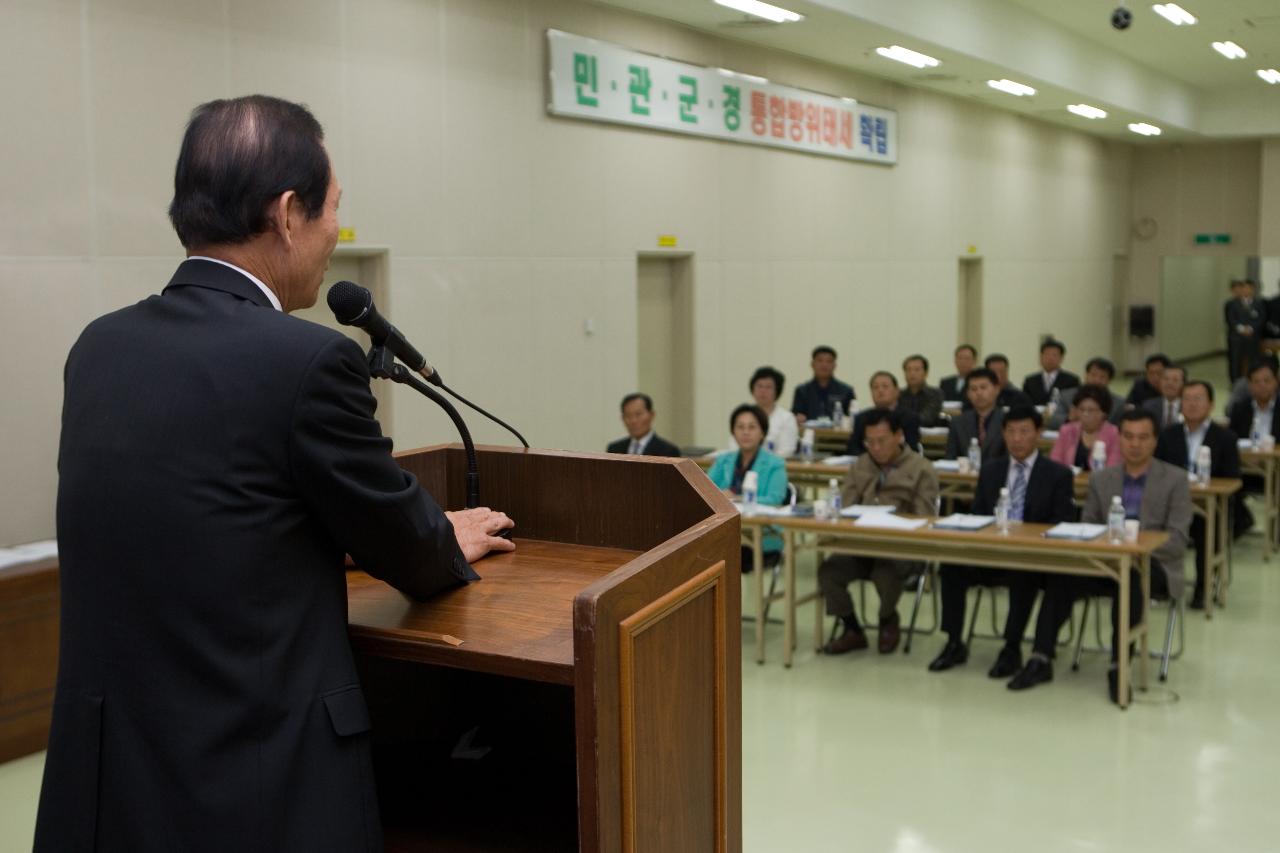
x=275 y=302
x=1049 y=378
x=644 y=439
x=1271 y=406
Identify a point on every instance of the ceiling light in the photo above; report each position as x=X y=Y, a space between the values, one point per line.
x=1012 y=87
x=910 y=57
x=1145 y=129
x=1174 y=14
x=1087 y=111
x=1271 y=75
x=763 y=10
x=1229 y=49
x=752 y=77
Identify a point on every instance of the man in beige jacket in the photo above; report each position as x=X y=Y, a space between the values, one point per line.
x=889 y=473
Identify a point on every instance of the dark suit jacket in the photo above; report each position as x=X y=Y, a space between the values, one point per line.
x=910 y=432
x=1242 y=421
x=806 y=400
x=217 y=460
x=965 y=427
x=1049 y=490
x=1224 y=459
x=1156 y=406
x=1142 y=390
x=1254 y=315
x=953 y=388
x=1010 y=396
x=657 y=446
x=1033 y=385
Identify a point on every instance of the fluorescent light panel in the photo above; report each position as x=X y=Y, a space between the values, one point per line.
x=1145 y=129
x=909 y=57
x=752 y=77
x=1229 y=49
x=1011 y=87
x=1271 y=75
x=763 y=10
x=1174 y=14
x=1087 y=111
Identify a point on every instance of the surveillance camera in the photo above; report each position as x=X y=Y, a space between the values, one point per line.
x=1121 y=18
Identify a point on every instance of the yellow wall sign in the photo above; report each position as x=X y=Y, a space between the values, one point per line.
x=346 y=235
x=667 y=241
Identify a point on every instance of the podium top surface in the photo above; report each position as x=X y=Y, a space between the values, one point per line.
x=516 y=621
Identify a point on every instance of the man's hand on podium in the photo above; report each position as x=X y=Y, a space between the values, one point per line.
x=476 y=531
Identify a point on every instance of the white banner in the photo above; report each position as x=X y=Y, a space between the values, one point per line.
x=601 y=81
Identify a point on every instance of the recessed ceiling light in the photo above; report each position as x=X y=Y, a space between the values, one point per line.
x=1012 y=87
x=1145 y=129
x=1229 y=49
x=763 y=10
x=752 y=77
x=1271 y=75
x=1087 y=111
x=1174 y=14
x=910 y=57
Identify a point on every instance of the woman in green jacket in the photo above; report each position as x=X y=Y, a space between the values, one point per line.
x=750 y=425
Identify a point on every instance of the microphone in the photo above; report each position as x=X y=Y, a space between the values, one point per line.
x=352 y=305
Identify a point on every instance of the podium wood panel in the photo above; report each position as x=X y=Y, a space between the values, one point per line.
x=28 y=656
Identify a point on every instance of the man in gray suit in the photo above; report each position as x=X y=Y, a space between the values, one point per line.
x=1098 y=371
x=982 y=421
x=1153 y=492
x=1167 y=408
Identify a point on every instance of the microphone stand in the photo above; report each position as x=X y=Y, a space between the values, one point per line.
x=383 y=365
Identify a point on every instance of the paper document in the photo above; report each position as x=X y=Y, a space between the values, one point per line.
x=964 y=521
x=890 y=521
x=838 y=461
x=859 y=510
x=1075 y=531
x=1049 y=435
x=933 y=430
x=951 y=466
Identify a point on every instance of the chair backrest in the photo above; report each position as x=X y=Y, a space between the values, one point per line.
x=791 y=495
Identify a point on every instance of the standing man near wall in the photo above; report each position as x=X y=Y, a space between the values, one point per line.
x=218 y=458
x=1245 y=318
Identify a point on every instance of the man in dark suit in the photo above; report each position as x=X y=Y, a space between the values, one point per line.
x=819 y=397
x=218 y=458
x=1040 y=492
x=1007 y=394
x=1256 y=418
x=641 y=440
x=1246 y=319
x=1040 y=386
x=1179 y=445
x=981 y=421
x=966 y=358
x=884 y=396
x=1167 y=408
x=1155 y=494
x=1147 y=386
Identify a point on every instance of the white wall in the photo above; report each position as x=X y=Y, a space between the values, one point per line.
x=509 y=228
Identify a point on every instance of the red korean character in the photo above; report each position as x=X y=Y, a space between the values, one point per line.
x=759 y=112
x=813 y=122
x=846 y=129
x=829 y=126
x=777 y=117
x=795 y=112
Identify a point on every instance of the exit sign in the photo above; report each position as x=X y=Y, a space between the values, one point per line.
x=1206 y=239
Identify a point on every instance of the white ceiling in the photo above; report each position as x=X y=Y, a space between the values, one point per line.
x=1067 y=49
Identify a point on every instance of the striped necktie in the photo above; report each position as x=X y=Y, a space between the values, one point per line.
x=1018 y=494
x=635 y=447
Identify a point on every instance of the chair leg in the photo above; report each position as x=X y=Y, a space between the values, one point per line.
x=973 y=617
x=773 y=585
x=915 y=608
x=1084 y=619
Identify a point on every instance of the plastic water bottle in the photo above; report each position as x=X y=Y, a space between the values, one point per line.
x=837 y=413
x=1099 y=456
x=975 y=456
x=1002 y=512
x=1055 y=399
x=750 y=490
x=806 y=445
x=1204 y=465
x=835 y=500
x=851 y=413
x=1115 y=520
x=1255 y=440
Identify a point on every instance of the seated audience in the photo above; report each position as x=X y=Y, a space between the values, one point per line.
x=1148 y=386
x=1040 y=491
x=1179 y=444
x=891 y=474
x=966 y=358
x=1075 y=440
x=750 y=425
x=884 y=395
x=818 y=397
x=766 y=388
x=1155 y=494
x=1167 y=408
x=919 y=398
x=637 y=416
x=1257 y=418
x=1040 y=386
x=1097 y=371
x=981 y=421
x=1007 y=395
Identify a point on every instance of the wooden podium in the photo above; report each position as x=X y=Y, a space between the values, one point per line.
x=586 y=693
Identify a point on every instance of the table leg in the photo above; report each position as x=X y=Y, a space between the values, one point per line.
x=789 y=596
x=757 y=558
x=1270 y=512
x=1210 y=554
x=1224 y=538
x=1144 y=644
x=1122 y=636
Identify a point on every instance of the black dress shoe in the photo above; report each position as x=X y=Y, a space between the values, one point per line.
x=1037 y=671
x=1197 y=602
x=1007 y=664
x=1113 y=687
x=953 y=653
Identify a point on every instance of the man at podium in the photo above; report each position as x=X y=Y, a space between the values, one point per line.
x=218 y=458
